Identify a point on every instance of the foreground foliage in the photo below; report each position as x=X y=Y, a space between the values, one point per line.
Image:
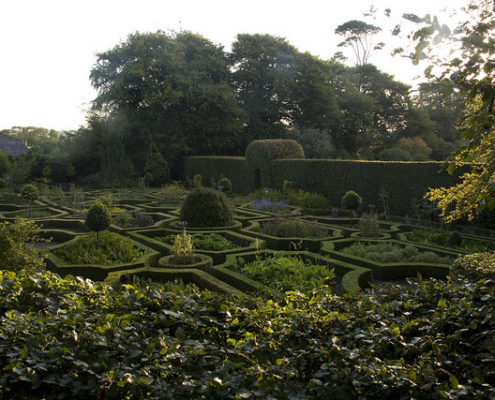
x=432 y=340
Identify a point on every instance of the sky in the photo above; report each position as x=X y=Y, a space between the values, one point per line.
x=48 y=47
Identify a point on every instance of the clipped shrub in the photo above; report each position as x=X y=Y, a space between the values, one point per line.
x=197 y=181
x=305 y=199
x=30 y=193
x=206 y=207
x=98 y=218
x=351 y=200
x=225 y=184
x=260 y=152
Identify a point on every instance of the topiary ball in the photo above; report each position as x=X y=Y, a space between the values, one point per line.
x=98 y=218
x=30 y=193
x=206 y=207
x=351 y=200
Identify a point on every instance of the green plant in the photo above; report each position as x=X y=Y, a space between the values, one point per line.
x=183 y=247
x=173 y=193
x=475 y=266
x=289 y=227
x=30 y=194
x=203 y=241
x=393 y=253
x=197 y=181
x=289 y=273
x=107 y=248
x=305 y=199
x=16 y=245
x=206 y=207
x=269 y=194
x=225 y=184
x=98 y=218
x=369 y=227
x=351 y=200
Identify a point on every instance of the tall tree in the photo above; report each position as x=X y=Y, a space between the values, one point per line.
x=280 y=88
x=359 y=36
x=473 y=70
x=168 y=96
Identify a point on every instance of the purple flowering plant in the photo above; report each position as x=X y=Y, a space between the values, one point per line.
x=264 y=204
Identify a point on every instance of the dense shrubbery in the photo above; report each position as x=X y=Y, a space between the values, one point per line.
x=133 y=219
x=475 y=266
x=452 y=239
x=433 y=340
x=16 y=245
x=389 y=253
x=292 y=227
x=289 y=273
x=305 y=199
x=107 y=249
x=206 y=207
x=203 y=241
x=273 y=206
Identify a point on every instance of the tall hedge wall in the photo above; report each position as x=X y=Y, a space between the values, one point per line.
x=402 y=181
x=214 y=168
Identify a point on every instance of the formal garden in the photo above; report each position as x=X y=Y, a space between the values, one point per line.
x=196 y=292
x=258 y=223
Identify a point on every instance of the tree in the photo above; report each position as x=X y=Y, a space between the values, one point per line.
x=359 y=36
x=98 y=218
x=472 y=69
x=166 y=95
x=280 y=88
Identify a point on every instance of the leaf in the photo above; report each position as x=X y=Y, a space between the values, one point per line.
x=454 y=383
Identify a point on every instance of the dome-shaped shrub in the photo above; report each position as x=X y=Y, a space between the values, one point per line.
x=351 y=200
x=98 y=218
x=455 y=239
x=206 y=207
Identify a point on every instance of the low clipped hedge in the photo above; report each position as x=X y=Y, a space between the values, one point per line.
x=393 y=270
x=98 y=272
x=351 y=278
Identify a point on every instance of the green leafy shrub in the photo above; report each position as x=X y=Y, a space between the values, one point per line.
x=305 y=199
x=203 y=241
x=98 y=218
x=289 y=273
x=440 y=238
x=183 y=248
x=133 y=219
x=351 y=200
x=226 y=185
x=393 y=253
x=108 y=248
x=475 y=266
x=16 y=245
x=30 y=193
x=173 y=193
x=206 y=207
x=288 y=227
x=159 y=341
x=369 y=227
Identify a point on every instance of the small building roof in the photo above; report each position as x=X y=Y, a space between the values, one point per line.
x=12 y=146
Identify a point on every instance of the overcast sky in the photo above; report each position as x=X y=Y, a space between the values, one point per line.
x=48 y=47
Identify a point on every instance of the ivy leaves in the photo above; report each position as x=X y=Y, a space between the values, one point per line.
x=71 y=337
